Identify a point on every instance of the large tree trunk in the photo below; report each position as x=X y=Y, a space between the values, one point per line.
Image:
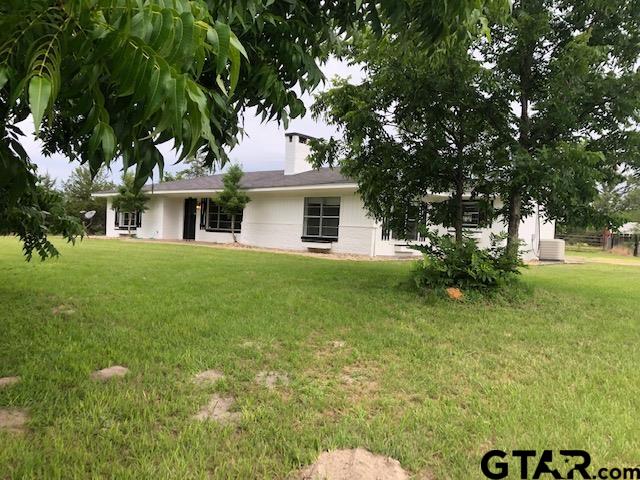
x=459 y=215
x=515 y=196
x=515 y=217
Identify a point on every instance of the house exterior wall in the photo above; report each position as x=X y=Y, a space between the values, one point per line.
x=274 y=219
x=152 y=220
x=172 y=219
x=531 y=231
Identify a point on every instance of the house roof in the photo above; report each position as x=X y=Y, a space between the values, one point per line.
x=252 y=181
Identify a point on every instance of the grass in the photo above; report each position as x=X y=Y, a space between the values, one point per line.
x=598 y=255
x=435 y=384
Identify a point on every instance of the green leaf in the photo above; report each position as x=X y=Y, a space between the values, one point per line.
x=39 y=95
x=235 y=43
x=4 y=76
x=224 y=37
x=108 y=140
x=234 y=74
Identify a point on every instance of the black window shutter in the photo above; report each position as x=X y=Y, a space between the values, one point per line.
x=117 y=222
x=204 y=203
x=138 y=219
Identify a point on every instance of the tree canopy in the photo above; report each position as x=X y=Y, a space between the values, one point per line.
x=130 y=199
x=107 y=79
x=570 y=66
x=232 y=199
x=568 y=72
x=77 y=195
x=420 y=124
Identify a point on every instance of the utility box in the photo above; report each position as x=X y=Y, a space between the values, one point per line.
x=552 y=250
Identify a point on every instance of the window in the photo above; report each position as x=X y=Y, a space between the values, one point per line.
x=321 y=217
x=126 y=220
x=414 y=217
x=471 y=216
x=219 y=220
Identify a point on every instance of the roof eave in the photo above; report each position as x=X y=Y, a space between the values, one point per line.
x=324 y=186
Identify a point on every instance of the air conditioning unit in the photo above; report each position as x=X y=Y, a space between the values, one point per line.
x=552 y=250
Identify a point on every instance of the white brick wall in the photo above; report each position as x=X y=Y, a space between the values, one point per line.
x=275 y=220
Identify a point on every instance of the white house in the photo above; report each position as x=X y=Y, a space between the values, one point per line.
x=297 y=208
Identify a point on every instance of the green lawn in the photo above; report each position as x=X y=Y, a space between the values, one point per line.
x=433 y=384
x=598 y=255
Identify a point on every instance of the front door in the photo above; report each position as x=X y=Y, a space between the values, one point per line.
x=189 y=229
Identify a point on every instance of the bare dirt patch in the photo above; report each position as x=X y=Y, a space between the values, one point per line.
x=355 y=464
x=360 y=380
x=110 y=372
x=272 y=379
x=208 y=376
x=63 y=310
x=218 y=410
x=7 y=381
x=13 y=420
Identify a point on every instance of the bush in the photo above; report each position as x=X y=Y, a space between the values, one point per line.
x=448 y=264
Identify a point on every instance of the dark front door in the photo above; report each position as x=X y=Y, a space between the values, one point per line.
x=189 y=229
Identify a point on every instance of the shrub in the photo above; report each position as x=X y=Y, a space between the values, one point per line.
x=448 y=264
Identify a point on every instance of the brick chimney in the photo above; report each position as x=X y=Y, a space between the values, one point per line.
x=296 y=151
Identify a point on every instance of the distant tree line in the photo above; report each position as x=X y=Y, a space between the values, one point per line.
x=73 y=197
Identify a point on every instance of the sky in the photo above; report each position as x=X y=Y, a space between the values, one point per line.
x=262 y=147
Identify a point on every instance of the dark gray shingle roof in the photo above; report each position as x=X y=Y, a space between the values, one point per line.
x=251 y=180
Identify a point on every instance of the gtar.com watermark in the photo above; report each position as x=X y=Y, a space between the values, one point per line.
x=532 y=464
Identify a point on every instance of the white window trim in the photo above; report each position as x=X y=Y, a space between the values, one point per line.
x=125 y=226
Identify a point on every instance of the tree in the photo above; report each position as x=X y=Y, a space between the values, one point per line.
x=231 y=199
x=570 y=70
x=130 y=199
x=402 y=146
x=197 y=167
x=39 y=213
x=114 y=78
x=77 y=193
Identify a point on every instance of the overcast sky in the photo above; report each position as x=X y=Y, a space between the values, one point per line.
x=262 y=148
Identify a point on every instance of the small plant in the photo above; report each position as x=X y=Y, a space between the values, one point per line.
x=232 y=199
x=447 y=263
x=129 y=198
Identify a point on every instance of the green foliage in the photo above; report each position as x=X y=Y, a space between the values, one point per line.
x=38 y=212
x=402 y=147
x=572 y=69
x=447 y=263
x=77 y=195
x=231 y=199
x=130 y=198
x=564 y=94
x=197 y=167
x=107 y=79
